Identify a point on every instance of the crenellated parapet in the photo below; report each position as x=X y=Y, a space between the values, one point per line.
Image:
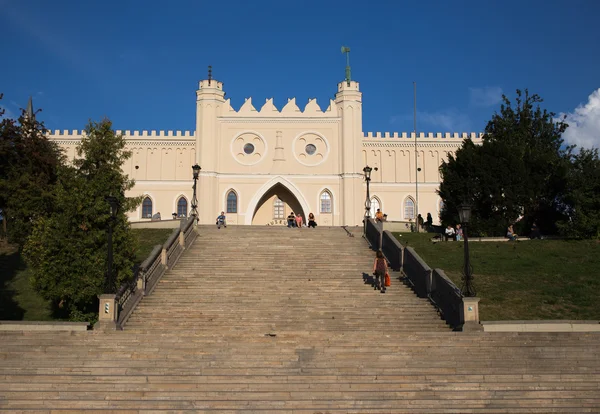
x=422 y=135
x=163 y=135
x=290 y=109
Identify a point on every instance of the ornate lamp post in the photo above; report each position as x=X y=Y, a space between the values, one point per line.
x=464 y=213
x=194 y=212
x=114 y=209
x=367 y=173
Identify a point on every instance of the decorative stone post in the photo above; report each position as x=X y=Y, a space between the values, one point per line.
x=182 y=239
x=141 y=283
x=470 y=314
x=108 y=313
x=163 y=258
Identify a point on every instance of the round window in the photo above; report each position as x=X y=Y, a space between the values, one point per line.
x=310 y=149
x=248 y=148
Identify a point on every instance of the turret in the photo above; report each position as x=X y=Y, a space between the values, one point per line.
x=209 y=99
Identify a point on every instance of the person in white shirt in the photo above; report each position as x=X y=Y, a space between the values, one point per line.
x=450 y=233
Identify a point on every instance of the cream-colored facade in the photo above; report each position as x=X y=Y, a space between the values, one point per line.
x=260 y=165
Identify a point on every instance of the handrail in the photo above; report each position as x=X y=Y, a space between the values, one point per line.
x=373 y=233
x=425 y=282
x=447 y=298
x=147 y=275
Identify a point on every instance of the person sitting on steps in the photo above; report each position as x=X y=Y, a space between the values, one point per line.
x=221 y=220
x=311 y=220
x=291 y=220
x=299 y=220
x=379 y=216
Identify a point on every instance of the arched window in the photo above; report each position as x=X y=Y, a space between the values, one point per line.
x=232 y=202
x=325 y=202
x=147 y=208
x=374 y=206
x=278 y=209
x=409 y=209
x=441 y=205
x=182 y=207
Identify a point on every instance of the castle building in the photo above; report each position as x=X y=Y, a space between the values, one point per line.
x=260 y=165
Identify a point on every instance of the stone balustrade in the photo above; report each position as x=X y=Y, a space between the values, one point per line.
x=115 y=309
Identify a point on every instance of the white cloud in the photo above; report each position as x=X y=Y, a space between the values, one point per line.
x=584 y=123
x=487 y=96
x=447 y=120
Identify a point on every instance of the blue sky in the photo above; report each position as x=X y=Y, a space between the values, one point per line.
x=138 y=62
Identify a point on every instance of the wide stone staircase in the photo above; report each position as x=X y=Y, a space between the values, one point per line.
x=260 y=319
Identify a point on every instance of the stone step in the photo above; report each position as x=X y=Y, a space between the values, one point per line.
x=241 y=325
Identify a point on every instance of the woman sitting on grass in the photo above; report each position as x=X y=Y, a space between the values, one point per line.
x=510 y=233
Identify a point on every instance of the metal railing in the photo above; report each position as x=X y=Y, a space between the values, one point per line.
x=425 y=282
x=392 y=250
x=373 y=233
x=447 y=298
x=147 y=275
x=417 y=272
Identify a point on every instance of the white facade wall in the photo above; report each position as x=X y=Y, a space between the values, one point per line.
x=278 y=164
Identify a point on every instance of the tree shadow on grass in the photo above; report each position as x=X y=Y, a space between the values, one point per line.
x=11 y=262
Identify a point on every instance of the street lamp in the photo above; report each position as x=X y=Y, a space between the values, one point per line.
x=367 y=173
x=464 y=213
x=194 y=212
x=114 y=209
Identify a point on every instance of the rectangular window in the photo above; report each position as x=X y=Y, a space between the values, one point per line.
x=325 y=205
x=278 y=213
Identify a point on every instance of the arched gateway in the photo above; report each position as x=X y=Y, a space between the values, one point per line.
x=274 y=201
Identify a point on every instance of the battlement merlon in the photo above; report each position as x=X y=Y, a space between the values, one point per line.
x=78 y=134
x=344 y=86
x=422 y=136
x=207 y=84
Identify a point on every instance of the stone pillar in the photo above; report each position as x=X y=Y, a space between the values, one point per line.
x=182 y=239
x=108 y=313
x=163 y=258
x=141 y=283
x=470 y=315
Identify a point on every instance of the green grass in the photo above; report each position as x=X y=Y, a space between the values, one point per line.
x=531 y=279
x=147 y=239
x=19 y=302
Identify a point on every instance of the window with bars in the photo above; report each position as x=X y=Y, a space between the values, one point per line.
x=232 y=202
x=147 y=208
x=278 y=209
x=409 y=209
x=374 y=206
x=182 y=207
x=325 y=202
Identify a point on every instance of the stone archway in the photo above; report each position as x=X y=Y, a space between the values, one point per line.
x=261 y=207
x=264 y=214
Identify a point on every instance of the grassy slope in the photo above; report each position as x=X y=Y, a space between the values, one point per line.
x=533 y=279
x=18 y=301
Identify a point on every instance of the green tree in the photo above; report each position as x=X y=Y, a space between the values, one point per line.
x=29 y=164
x=517 y=173
x=582 y=197
x=68 y=250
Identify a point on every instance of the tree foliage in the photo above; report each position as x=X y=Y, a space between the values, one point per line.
x=29 y=165
x=68 y=250
x=582 y=196
x=518 y=173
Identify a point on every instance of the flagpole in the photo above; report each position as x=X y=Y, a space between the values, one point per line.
x=416 y=161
